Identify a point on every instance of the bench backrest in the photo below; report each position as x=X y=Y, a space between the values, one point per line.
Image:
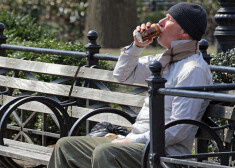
x=58 y=89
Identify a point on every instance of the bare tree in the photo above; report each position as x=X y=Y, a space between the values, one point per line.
x=114 y=21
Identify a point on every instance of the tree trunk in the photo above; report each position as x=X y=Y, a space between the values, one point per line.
x=113 y=20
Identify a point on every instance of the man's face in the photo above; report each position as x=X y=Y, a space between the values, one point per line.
x=170 y=31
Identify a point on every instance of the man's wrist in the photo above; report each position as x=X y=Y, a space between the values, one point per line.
x=137 y=45
x=133 y=50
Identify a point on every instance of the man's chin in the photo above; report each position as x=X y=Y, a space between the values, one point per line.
x=160 y=41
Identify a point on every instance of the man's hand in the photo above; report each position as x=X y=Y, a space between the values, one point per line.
x=121 y=140
x=142 y=28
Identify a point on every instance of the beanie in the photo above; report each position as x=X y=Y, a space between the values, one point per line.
x=191 y=17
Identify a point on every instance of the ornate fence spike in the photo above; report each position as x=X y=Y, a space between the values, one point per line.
x=92 y=48
x=203 y=46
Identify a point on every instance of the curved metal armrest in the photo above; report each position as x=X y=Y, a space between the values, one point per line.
x=201 y=125
x=3 y=92
x=4 y=107
x=56 y=108
x=9 y=107
x=213 y=125
x=75 y=126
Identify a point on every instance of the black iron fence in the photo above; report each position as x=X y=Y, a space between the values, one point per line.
x=156 y=102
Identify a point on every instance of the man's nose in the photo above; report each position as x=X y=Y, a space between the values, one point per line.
x=162 y=22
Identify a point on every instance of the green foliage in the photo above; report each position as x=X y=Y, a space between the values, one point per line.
x=67 y=17
x=24 y=31
x=153 y=17
x=57 y=59
x=50 y=43
x=19 y=28
x=224 y=59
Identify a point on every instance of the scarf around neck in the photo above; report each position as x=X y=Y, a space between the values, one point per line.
x=179 y=52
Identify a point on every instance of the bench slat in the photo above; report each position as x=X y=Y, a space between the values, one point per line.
x=24 y=155
x=60 y=70
x=28 y=146
x=28 y=152
x=78 y=92
x=37 y=67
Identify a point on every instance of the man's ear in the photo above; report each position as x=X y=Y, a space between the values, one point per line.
x=185 y=36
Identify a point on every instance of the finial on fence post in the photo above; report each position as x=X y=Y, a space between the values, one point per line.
x=156 y=114
x=203 y=46
x=2 y=39
x=92 y=48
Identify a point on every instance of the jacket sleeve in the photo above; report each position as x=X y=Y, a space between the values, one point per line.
x=140 y=138
x=186 y=108
x=130 y=68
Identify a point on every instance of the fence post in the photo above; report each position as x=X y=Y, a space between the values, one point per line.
x=203 y=46
x=2 y=39
x=156 y=114
x=92 y=48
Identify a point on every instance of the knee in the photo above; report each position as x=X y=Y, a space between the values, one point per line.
x=102 y=151
x=62 y=143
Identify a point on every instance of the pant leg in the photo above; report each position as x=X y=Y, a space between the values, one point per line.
x=75 y=152
x=117 y=155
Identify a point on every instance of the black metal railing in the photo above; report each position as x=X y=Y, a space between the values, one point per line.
x=156 y=94
x=95 y=55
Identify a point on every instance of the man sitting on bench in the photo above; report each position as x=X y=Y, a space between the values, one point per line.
x=183 y=65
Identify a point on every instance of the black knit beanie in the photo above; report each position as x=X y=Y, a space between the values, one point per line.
x=191 y=17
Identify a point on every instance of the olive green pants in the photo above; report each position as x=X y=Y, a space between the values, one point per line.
x=95 y=152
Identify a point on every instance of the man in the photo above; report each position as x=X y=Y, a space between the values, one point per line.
x=183 y=64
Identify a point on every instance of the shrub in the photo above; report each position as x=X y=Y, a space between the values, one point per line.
x=23 y=30
x=19 y=28
x=224 y=59
x=68 y=17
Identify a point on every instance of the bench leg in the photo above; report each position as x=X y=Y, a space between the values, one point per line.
x=201 y=146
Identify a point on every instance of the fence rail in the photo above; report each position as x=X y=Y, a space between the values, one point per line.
x=84 y=54
x=222 y=69
x=57 y=52
x=188 y=163
x=202 y=95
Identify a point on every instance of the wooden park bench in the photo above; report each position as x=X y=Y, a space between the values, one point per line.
x=77 y=92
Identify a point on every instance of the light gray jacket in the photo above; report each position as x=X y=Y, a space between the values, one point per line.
x=192 y=71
